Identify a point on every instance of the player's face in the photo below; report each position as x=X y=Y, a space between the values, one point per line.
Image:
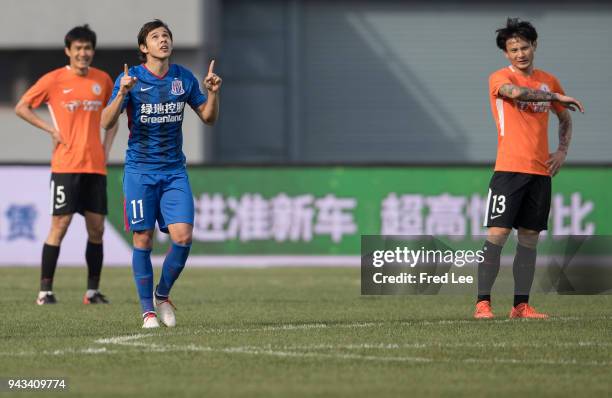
x=520 y=53
x=81 y=54
x=158 y=43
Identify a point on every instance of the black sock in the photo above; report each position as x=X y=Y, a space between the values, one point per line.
x=523 y=270
x=48 y=265
x=488 y=270
x=94 y=255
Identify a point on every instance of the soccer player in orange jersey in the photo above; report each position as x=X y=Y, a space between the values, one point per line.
x=75 y=95
x=519 y=195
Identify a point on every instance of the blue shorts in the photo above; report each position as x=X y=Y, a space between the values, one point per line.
x=165 y=198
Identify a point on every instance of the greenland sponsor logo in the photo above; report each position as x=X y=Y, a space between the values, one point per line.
x=96 y=89
x=177 y=87
x=162 y=109
x=169 y=112
x=161 y=119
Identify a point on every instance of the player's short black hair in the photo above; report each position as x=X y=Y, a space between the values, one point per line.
x=145 y=30
x=80 y=33
x=516 y=28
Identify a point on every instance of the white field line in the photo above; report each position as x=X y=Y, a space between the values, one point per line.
x=297 y=354
x=309 y=351
x=130 y=341
x=68 y=351
x=122 y=339
x=286 y=352
x=285 y=327
x=357 y=325
x=314 y=326
x=301 y=326
x=310 y=326
x=393 y=346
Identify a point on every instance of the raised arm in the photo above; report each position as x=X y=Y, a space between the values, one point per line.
x=532 y=95
x=209 y=111
x=111 y=113
x=556 y=159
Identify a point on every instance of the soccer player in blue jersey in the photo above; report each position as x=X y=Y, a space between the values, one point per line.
x=155 y=182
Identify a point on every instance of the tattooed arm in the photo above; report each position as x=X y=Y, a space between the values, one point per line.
x=556 y=159
x=532 y=95
x=525 y=93
x=565 y=130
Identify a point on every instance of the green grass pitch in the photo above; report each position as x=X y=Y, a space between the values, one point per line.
x=281 y=332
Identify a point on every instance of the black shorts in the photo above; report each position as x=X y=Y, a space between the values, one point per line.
x=518 y=200
x=78 y=193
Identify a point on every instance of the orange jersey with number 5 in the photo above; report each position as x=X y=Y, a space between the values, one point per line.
x=76 y=104
x=522 y=127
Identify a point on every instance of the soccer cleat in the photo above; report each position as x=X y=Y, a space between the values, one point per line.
x=46 y=298
x=149 y=321
x=524 y=310
x=483 y=310
x=97 y=298
x=165 y=309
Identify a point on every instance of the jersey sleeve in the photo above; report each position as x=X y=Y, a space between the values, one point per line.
x=556 y=88
x=496 y=81
x=115 y=91
x=196 y=97
x=38 y=94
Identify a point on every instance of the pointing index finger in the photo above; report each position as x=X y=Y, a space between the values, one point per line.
x=125 y=70
x=211 y=67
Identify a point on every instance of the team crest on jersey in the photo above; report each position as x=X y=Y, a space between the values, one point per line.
x=177 y=87
x=96 y=89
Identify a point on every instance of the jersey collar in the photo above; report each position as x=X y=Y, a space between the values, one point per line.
x=157 y=76
x=513 y=69
x=68 y=68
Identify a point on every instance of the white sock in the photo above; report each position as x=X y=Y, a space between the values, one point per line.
x=90 y=293
x=44 y=293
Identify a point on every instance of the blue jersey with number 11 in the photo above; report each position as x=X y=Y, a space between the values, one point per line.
x=155 y=107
